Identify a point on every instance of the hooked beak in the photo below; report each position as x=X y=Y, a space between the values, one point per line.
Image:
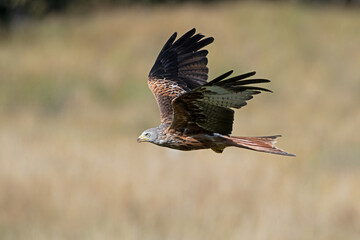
x=142 y=139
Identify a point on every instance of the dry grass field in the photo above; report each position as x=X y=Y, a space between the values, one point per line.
x=73 y=99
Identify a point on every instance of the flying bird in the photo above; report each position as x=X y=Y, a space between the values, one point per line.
x=196 y=114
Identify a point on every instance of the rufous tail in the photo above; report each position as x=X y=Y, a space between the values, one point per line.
x=261 y=144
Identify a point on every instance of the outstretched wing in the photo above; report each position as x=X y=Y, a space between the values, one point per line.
x=207 y=108
x=179 y=68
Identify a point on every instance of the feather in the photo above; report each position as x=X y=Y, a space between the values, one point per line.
x=179 y=68
x=221 y=77
x=176 y=55
x=208 y=106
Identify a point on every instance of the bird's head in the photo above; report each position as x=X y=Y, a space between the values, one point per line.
x=149 y=135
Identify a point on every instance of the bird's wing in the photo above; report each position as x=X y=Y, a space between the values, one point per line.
x=208 y=107
x=179 y=68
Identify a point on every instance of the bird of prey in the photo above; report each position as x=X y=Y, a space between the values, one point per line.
x=196 y=114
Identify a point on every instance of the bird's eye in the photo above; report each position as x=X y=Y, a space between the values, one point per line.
x=147 y=134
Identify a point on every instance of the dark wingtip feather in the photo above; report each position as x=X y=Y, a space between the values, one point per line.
x=170 y=40
x=249 y=81
x=236 y=83
x=182 y=60
x=246 y=75
x=239 y=77
x=206 y=41
x=168 y=44
x=249 y=74
x=243 y=88
x=221 y=77
x=184 y=37
x=190 y=32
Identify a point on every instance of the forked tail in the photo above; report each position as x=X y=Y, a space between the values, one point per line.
x=261 y=144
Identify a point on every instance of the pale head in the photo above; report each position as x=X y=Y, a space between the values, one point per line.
x=149 y=135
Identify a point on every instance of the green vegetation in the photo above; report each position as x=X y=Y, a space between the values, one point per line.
x=73 y=99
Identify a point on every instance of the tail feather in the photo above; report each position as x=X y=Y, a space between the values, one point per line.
x=261 y=144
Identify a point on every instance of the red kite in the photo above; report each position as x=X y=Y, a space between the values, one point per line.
x=196 y=114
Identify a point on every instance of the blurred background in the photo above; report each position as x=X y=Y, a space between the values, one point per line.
x=74 y=98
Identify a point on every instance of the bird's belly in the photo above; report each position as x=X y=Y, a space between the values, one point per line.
x=190 y=142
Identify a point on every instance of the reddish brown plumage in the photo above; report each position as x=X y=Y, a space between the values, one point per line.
x=165 y=91
x=196 y=114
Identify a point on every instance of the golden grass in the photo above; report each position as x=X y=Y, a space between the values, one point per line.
x=73 y=100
